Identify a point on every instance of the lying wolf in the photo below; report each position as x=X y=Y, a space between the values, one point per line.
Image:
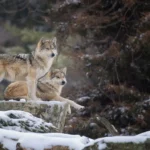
x=47 y=89
x=29 y=67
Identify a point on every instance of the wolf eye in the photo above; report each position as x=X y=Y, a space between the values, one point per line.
x=58 y=77
x=47 y=48
x=52 y=47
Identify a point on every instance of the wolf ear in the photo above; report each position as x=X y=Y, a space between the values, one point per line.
x=64 y=70
x=42 y=40
x=54 y=40
x=54 y=71
x=48 y=75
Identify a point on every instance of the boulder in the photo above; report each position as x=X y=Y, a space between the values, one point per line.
x=24 y=122
x=54 y=112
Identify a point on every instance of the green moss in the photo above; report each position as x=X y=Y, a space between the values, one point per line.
x=42 y=127
x=125 y=146
x=2 y=148
x=13 y=116
x=3 y=123
x=16 y=49
x=28 y=35
x=55 y=110
x=122 y=146
x=63 y=60
x=27 y=128
x=33 y=130
x=92 y=147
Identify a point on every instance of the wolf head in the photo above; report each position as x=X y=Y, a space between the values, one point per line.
x=47 y=47
x=58 y=76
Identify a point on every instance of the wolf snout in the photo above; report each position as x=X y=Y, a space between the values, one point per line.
x=63 y=82
x=52 y=55
x=81 y=107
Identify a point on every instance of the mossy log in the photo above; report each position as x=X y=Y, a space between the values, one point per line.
x=120 y=146
x=109 y=146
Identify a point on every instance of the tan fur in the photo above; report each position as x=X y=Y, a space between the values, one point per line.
x=46 y=89
x=29 y=67
x=17 y=89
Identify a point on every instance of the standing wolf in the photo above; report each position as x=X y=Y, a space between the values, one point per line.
x=47 y=89
x=29 y=67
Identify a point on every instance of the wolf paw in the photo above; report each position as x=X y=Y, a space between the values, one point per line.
x=80 y=107
x=35 y=99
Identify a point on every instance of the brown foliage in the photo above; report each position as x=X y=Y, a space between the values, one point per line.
x=118 y=89
x=145 y=38
x=129 y=3
x=98 y=14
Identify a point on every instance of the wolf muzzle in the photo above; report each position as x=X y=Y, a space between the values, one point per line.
x=63 y=82
x=52 y=55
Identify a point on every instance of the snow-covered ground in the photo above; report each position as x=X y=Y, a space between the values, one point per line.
x=39 y=141
x=14 y=124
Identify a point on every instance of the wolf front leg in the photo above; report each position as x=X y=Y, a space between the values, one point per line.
x=32 y=84
x=72 y=103
x=2 y=75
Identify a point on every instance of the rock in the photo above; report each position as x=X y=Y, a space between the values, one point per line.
x=53 y=112
x=83 y=99
x=24 y=122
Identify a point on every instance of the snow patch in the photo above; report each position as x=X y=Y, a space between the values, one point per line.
x=40 y=141
x=23 y=122
x=49 y=103
x=73 y=1
x=83 y=99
